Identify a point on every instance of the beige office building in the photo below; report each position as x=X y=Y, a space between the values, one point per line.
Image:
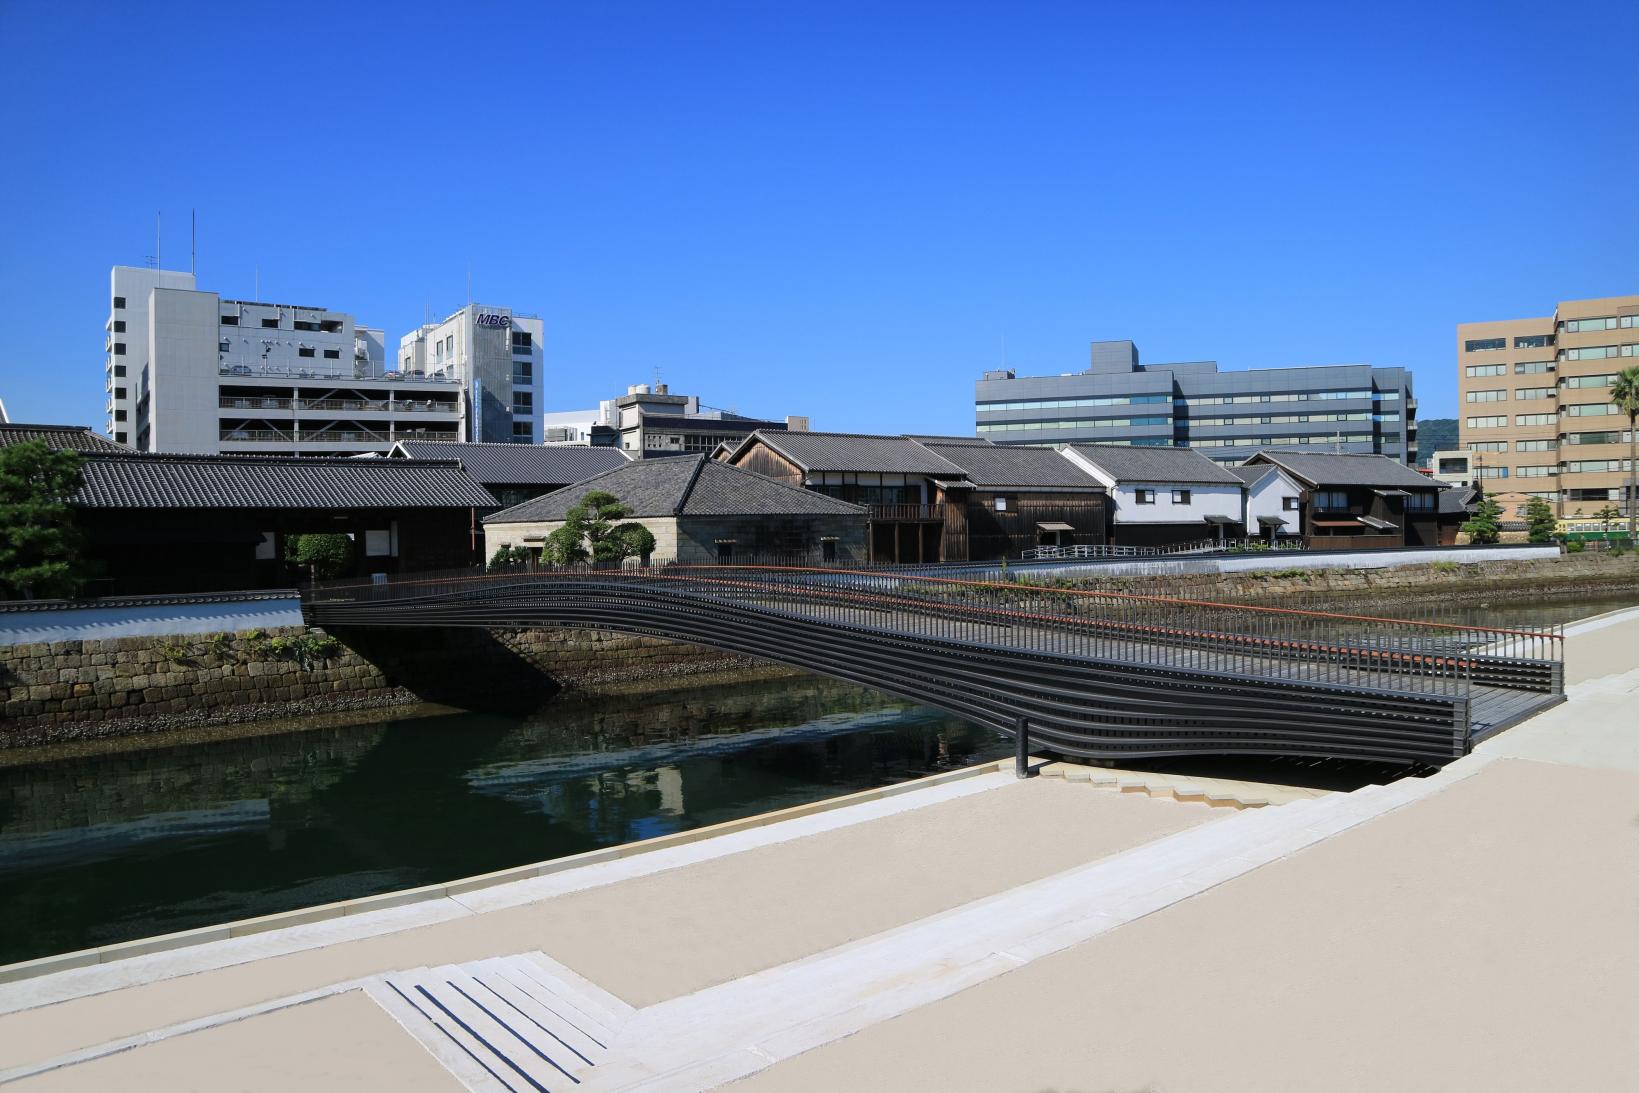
x=1534 y=404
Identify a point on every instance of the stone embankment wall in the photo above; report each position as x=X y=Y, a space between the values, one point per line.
x=1570 y=573
x=65 y=690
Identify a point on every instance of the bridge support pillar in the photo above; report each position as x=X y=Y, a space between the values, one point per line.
x=1021 y=754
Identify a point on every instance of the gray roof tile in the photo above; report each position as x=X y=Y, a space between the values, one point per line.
x=1143 y=463
x=856 y=452
x=77 y=437
x=145 y=481
x=997 y=466
x=519 y=464
x=687 y=485
x=1332 y=469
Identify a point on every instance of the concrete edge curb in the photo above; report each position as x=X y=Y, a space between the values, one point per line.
x=123 y=950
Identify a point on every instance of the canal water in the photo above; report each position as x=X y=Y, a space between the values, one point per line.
x=137 y=841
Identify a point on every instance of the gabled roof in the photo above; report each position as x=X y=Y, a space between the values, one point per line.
x=997 y=466
x=1254 y=474
x=138 y=480
x=1320 y=469
x=518 y=464
x=1457 y=500
x=694 y=485
x=1161 y=465
x=853 y=452
x=80 y=438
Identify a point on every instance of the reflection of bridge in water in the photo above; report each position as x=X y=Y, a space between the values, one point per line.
x=1094 y=674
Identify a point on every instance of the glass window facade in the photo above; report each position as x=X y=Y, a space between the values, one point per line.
x=1531 y=368
x=1484 y=345
x=1478 y=370
x=1496 y=422
x=1493 y=395
x=1534 y=419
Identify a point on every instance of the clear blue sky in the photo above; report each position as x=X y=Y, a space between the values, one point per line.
x=833 y=209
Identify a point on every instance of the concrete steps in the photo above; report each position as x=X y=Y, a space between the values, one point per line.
x=1214 y=792
x=518 y=1022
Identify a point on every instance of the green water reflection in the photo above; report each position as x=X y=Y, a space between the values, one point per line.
x=97 y=849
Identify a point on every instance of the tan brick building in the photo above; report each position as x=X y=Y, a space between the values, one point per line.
x=1534 y=403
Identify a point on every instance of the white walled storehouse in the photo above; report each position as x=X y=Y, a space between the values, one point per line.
x=700 y=511
x=1274 y=501
x=1162 y=495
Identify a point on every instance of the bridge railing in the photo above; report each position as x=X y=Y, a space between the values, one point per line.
x=1260 y=642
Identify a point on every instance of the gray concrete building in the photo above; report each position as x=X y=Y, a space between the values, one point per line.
x=1227 y=416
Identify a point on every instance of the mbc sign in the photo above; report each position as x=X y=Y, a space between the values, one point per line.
x=491 y=318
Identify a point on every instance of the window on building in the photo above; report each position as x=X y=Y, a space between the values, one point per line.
x=1535 y=445
x=1001 y=504
x=1585 y=409
x=1421 y=502
x=1488 y=446
x=1494 y=395
x=1595 y=466
x=304 y=351
x=119 y=370
x=1630 y=351
x=119 y=326
x=1593 y=353
x=229 y=320
x=1531 y=368
x=304 y=324
x=828 y=550
x=523 y=374
x=271 y=324
x=119 y=349
x=1289 y=504
x=1536 y=471
x=523 y=432
x=522 y=340
x=1533 y=341
x=1485 y=370
x=1533 y=419
x=121 y=437
x=1495 y=422
x=1605 y=437
x=119 y=415
x=449 y=346
x=1524 y=394
x=332 y=354
x=119 y=303
x=1491 y=472
x=1144 y=497
x=1578 y=325
x=522 y=402
x=119 y=392
x=1331 y=499
x=1484 y=345
x=1180 y=497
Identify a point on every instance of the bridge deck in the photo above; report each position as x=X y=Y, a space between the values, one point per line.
x=1111 y=677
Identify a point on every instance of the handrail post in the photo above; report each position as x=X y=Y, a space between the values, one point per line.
x=1021 y=754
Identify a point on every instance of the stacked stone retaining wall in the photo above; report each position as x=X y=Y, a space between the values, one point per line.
x=64 y=690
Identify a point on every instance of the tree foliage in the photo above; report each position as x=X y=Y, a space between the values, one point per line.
x=590 y=534
x=1540 y=520
x=39 y=545
x=508 y=555
x=1625 y=397
x=324 y=554
x=1484 y=526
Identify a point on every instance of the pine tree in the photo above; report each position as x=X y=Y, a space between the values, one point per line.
x=39 y=545
x=1484 y=527
x=1540 y=521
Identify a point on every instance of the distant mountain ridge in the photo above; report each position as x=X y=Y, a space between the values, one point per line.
x=1435 y=434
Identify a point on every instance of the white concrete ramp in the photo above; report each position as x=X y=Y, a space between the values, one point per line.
x=518 y=1023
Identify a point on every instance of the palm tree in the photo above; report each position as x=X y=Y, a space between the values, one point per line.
x=1625 y=397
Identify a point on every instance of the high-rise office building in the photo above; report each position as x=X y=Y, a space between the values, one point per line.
x=190 y=371
x=1535 y=404
x=495 y=354
x=1227 y=416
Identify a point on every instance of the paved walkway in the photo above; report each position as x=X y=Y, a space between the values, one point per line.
x=1470 y=930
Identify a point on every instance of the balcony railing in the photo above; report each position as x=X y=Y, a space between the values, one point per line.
x=334 y=375
x=907 y=512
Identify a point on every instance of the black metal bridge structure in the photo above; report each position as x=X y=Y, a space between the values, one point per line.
x=1079 y=673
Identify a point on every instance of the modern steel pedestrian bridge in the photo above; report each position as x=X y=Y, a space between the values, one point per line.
x=1090 y=674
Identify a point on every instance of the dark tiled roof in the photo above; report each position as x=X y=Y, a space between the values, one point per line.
x=1140 y=463
x=1457 y=500
x=519 y=464
x=142 y=481
x=1331 y=469
x=997 y=466
x=855 y=452
x=1254 y=474
x=694 y=485
x=78 y=437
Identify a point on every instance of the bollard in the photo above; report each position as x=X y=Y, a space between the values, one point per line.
x=1021 y=757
